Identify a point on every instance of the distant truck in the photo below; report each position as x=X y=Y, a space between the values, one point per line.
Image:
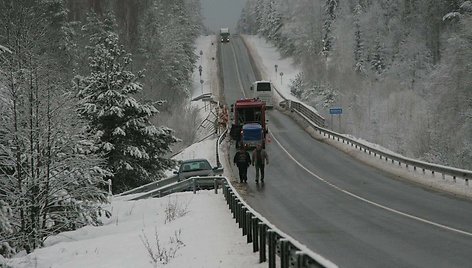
x=249 y=126
x=224 y=35
x=263 y=90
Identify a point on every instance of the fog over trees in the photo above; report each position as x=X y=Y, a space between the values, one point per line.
x=400 y=69
x=87 y=94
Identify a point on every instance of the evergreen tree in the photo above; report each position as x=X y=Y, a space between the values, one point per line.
x=275 y=23
x=50 y=182
x=134 y=148
x=358 y=41
x=169 y=51
x=377 y=59
x=330 y=11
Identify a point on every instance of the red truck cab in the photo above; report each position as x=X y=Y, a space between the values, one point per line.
x=248 y=111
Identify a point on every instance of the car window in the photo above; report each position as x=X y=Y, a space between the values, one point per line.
x=194 y=166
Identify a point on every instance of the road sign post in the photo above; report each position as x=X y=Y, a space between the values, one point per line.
x=336 y=111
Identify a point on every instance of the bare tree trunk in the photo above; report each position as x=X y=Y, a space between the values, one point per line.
x=48 y=156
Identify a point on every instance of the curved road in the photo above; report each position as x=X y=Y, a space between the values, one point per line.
x=351 y=213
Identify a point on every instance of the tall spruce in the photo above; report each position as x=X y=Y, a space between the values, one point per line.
x=51 y=181
x=330 y=12
x=135 y=149
x=359 y=53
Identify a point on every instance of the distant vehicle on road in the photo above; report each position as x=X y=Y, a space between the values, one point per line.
x=263 y=90
x=224 y=35
x=196 y=167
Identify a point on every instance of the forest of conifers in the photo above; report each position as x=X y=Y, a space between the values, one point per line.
x=400 y=69
x=87 y=90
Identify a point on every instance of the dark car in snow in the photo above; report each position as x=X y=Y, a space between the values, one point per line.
x=196 y=167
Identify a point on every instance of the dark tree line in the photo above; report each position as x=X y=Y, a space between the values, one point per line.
x=77 y=110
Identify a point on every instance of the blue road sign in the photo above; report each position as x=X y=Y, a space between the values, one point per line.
x=335 y=110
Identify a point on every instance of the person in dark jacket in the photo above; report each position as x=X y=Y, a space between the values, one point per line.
x=259 y=159
x=243 y=161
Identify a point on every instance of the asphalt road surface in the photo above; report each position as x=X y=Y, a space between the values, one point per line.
x=351 y=213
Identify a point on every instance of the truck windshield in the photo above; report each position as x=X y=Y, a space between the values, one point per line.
x=263 y=87
x=248 y=115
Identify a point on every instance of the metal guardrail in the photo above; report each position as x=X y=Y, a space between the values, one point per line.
x=190 y=184
x=151 y=186
x=266 y=239
x=316 y=122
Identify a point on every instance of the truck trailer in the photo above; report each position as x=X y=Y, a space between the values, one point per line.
x=249 y=126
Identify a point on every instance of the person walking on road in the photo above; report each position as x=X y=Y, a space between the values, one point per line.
x=243 y=161
x=259 y=159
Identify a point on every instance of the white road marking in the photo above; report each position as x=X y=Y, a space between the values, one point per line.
x=371 y=202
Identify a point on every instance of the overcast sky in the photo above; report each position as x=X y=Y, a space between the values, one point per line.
x=222 y=13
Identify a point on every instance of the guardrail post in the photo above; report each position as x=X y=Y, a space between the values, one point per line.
x=226 y=192
x=215 y=184
x=238 y=213
x=272 y=242
x=299 y=259
x=255 y=234
x=284 y=253
x=243 y=220
x=249 y=226
x=262 y=242
x=466 y=181
x=236 y=210
x=228 y=197
x=233 y=205
x=194 y=185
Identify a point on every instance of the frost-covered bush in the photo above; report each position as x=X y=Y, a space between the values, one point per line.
x=297 y=85
x=320 y=94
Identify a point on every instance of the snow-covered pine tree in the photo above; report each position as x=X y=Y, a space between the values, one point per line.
x=330 y=12
x=377 y=58
x=135 y=149
x=297 y=85
x=41 y=141
x=169 y=51
x=274 y=21
x=359 y=60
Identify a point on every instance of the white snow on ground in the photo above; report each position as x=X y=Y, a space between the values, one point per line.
x=209 y=237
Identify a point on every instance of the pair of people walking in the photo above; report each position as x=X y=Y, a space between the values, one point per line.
x=243 y=161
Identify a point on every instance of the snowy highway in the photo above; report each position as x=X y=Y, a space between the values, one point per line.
x=351 y=213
